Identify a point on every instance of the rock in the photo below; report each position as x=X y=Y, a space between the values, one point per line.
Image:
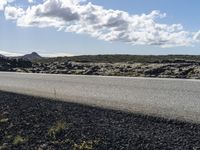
x=166 y=69
x=4 y=146
x=60 y=67
x=154 y=71
x=88 y=72
x=69 y=65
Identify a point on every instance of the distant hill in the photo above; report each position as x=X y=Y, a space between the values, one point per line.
x=127 y=58
x=31 y=57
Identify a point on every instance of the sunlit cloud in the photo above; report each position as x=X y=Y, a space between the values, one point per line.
x=83 y=17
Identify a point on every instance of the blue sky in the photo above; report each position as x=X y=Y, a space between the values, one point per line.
x=28 y=37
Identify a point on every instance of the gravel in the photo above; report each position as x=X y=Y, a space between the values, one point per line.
x=28 y=122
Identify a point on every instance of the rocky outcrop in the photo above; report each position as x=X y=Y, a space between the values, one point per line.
x=11 y=64
x=160 y=70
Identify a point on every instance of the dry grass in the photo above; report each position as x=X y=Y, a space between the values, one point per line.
x=85 y=145
x=18 y=140
x=57 y=129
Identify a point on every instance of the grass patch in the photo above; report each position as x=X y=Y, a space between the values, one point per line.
x=18 y=140
x=85 y=145
x=57 y=129
x=4 y=120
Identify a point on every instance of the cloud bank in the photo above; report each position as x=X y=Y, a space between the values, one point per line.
x=9 y=54
x=83 y=17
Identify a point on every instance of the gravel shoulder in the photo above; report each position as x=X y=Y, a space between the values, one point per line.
x=35 y=123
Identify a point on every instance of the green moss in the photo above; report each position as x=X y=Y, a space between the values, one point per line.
x=57 y=129
x=18 y=140
x=85 y=145
x=4 y=120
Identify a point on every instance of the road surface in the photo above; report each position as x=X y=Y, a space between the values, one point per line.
x=169 y=98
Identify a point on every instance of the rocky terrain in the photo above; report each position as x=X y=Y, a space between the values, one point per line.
x=9 y=64
x=161 y=70
x=107 y=65
x=33 y=123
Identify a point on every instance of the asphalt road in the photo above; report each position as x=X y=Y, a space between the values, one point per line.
x=169 y=98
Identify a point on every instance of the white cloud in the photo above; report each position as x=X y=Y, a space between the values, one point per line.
x=56 y=55
x=197 y=36
x=5 y=53
x=3 y=3
x=13 y=13
x=80 y=16
x=31 y=1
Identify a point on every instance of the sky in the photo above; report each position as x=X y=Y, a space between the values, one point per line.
x=80 y=27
